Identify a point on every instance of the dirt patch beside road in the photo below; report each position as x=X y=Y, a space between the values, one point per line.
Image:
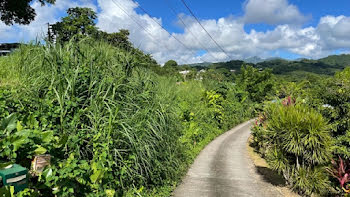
x=267 y=174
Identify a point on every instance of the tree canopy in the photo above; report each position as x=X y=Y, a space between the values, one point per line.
x=170 y=63
x=260 y=84
x=119 y=39
x=19 y=11
x=79 y=22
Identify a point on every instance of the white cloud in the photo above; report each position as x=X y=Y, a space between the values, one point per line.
x=330 y=34
x=4 y=32
x=335 y=32
x=273 y=12
x=150 y=37
x=300 y=41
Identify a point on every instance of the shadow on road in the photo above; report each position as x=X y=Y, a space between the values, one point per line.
x=271 y=176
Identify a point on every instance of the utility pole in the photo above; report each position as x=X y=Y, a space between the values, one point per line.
x=50 y=34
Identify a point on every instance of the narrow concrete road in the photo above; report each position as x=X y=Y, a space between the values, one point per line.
x=223 y=168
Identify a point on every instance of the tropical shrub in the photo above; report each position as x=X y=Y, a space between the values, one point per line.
x=340 y=170
x=296 y=141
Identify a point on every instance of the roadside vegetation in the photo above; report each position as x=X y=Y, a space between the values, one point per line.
x=305 y=136
x=110 y=124
x=114 y=122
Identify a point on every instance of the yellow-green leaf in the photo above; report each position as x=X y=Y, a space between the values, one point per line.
x=110 y=192
x=40 y=150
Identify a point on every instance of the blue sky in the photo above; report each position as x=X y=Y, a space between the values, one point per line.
x=208 y=9
x=243 y=28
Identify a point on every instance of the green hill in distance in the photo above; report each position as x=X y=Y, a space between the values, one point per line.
x=292 y=69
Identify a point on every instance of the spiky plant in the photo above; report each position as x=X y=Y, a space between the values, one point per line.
x=296 y=139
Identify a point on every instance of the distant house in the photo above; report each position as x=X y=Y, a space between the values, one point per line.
x=185 y=72
x=4 y=52
x=199 y=75
x=6 y=48
x=232 y=71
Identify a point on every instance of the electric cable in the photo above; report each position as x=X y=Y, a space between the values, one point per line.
x=211 y=37
x=189 y=30
x=142 y=27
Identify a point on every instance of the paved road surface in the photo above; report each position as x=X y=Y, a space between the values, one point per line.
x=223 y=168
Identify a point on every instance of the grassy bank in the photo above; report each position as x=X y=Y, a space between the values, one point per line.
x=112 y=126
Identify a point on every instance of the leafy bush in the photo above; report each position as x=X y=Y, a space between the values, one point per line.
x=259 y=84
x=18 y=144
x=336 y=94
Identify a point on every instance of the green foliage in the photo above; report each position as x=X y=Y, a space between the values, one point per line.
x=118 y=39
x=168 y=71
x=170 y=64
x=297 y=143
x=218 y=75
x=7 y=191
x=79 y=23
x=17 y=144
x=335 y=93
x=19 y=12
x=303 y=68
x=88 y=94
x=311 y=181
x=293 y=89
x=259 y=84
x=208 y=109
x=230 y=65
x=338 y=60
x=331 y=97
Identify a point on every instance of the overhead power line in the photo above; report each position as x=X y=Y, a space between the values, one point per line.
x=211 y=37
x=189 y=30
x=161 y=26
x=139 y=24
x=146 y=30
